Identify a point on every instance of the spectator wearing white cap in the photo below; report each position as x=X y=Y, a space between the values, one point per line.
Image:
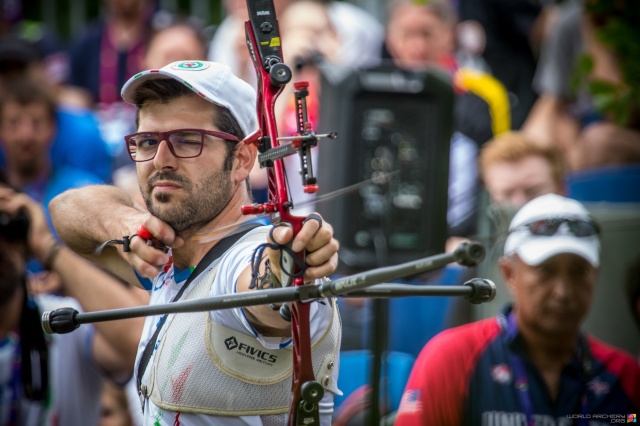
x=531 y=364
x=230 y=367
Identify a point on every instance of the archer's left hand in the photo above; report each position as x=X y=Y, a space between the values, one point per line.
x=316 y=237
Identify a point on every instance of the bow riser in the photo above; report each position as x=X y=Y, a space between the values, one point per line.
x=264 y=46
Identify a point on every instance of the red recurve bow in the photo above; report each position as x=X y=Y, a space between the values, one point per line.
x=263 y=41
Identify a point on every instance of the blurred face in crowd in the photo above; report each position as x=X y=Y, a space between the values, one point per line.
x=114 y=410
x=417 y=38
x=26 y=131
x=552 y=298
x=516 y=183
x=305 y=27
x=127 y=8
x=177 y=43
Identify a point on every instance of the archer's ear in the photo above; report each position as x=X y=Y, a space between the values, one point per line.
x=245 y=158
x=507 y=268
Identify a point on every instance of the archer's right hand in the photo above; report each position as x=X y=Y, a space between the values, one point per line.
x=147 y=255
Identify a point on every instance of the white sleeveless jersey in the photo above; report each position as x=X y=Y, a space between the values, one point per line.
x=213 y=368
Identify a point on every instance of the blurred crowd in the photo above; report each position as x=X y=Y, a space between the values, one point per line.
x=543 y=92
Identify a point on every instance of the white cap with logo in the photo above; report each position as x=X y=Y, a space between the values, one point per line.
x=212 y=81
x=535 y=249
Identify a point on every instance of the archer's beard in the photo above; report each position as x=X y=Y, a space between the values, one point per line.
x=201 y=204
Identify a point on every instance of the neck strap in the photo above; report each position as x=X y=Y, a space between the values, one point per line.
x=521 y=380
x=214 y=253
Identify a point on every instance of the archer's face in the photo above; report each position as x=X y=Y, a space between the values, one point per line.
x=184 y=192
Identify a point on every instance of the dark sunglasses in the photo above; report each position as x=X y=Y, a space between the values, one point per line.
x=549 y=227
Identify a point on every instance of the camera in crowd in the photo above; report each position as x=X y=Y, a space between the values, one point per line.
x=13 y=228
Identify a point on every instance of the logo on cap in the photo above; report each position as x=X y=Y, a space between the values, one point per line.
x=190 y=66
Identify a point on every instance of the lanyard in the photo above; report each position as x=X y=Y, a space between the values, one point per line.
x=522 y=381
x=114 y=62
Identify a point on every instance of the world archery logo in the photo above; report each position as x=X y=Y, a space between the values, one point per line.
x=231 y=343
x=190 y=66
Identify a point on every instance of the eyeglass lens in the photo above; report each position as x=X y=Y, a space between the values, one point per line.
x=183 y=144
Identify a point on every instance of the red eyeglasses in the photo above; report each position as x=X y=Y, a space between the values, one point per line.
x=183 y=143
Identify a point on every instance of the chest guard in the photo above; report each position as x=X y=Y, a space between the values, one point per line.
x=203 y=367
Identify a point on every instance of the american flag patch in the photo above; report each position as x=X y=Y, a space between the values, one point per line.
x=410 y=402
x=598 y=387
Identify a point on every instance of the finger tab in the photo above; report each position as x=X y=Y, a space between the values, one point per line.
x=144 y=233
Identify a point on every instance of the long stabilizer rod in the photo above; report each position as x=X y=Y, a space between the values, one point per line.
x=365 y=284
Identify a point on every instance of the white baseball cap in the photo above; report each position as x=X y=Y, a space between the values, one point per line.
x=534 y=249
x=213 y=81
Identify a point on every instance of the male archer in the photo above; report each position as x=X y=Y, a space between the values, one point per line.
x=229 y=367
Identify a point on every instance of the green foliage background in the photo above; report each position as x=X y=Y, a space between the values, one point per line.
x=61 y=22
x=617 y=24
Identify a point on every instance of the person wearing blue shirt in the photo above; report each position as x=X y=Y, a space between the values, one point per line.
x=27 y=129
x=21 y=59
x=79 y=127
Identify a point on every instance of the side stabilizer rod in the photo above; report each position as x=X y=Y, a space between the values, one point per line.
x=365 y=284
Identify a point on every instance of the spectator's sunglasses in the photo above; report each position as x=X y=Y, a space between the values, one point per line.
x=183 y=143
x=549 y=227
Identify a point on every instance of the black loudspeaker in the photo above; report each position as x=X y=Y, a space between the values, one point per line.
x=394 y=129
